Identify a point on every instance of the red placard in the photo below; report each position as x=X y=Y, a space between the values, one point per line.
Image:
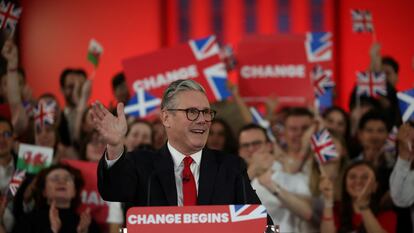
x=198 y=59
x=274 y=65
x=200 y=219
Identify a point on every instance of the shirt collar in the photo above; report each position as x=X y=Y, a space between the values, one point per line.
x=178 y=156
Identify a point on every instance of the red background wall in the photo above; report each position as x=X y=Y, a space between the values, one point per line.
x=55 y=34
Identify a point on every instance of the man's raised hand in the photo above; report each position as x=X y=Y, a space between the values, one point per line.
x=112 y=128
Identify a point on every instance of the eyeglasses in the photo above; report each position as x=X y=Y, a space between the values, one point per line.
x=254 y=144
x=64 y=179
x=6 y=134
x=193 y=113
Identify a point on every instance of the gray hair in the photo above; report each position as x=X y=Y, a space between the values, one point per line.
x=168 y=98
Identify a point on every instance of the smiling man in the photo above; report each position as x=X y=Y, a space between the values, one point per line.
x=183 y=172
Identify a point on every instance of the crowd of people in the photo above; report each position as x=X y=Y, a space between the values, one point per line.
x=368 y=188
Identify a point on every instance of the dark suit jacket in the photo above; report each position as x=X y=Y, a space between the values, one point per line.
x=147 y=179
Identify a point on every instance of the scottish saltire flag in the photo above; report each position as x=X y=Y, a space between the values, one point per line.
x=406 y=102
x=319 y=46
x=321 y=80
x=215 y=74
x=9 y=15
x=16 y=181
x=323 y=146
x=362 y=21
x=371 y=84
x=44 y=114
x=390 y=143
x=259 y=119
x=247 y=212
x=95 y=51
x=324 y=101
x=142 y=104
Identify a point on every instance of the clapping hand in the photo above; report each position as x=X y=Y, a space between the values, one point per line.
x=84 y=222
x=55 y=223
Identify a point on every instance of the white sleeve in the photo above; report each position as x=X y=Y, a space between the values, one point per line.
x=110 y=163
x=402 y=183
x=115 y=214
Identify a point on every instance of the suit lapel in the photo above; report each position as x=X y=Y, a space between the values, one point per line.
x=208 y=172
x=164 y=166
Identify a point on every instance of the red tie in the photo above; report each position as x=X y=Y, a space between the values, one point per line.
x=189 y=187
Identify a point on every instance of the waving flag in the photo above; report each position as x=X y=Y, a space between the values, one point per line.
x=16 y=181
x=34 y=158
x=371 y=84
x=319 y=46
x=215 y=74
x=142 y=104
x=246 y=212
x=259 y=119
x=324 y=101
x=362 y=21
x=406 y=102
x=323 y=146
x=44 y=114
x=9 y=15
x=321 y=80
x=95 y=51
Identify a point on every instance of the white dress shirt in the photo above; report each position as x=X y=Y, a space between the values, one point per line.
x=178 y=159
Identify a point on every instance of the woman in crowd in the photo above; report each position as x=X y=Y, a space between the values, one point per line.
x=139 y=133
x=57 y=194
x=358 y=210
x=221 y=137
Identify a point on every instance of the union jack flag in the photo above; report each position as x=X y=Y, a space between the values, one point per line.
x=362 y=21
x=322 y=80
x=323 y=146
x=142 y=104
x=9 y=15
x=16 y=181
x=215 y=74
x=406 y=103
x=44 y=113
x=390 y=143
x=240 y=213
x=324 y=101
x=259 y=119
x=319 y=46
x=371 y=84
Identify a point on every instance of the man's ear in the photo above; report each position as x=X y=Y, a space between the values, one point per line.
x=165 y=117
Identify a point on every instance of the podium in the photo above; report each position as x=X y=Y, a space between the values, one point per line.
x=199 y=219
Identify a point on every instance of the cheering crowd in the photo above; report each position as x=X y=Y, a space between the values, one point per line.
x=366 y=186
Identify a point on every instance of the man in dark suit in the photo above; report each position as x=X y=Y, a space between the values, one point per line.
x=183 y=172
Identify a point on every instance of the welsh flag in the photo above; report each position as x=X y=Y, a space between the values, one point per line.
x=94 y=52
x=33 y=158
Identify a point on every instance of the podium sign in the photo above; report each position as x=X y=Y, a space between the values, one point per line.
x=200 y=219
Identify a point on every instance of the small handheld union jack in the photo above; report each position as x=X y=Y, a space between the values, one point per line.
x=321 y=80
x=362 y=21
x=44 y=113
x=371 y=84
x=323 y=146
x=9 y=15
x=16 y=181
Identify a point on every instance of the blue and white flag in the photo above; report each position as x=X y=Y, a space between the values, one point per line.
x=319 y=46
x=259 y=119
x=406 y=102
x=142 y=104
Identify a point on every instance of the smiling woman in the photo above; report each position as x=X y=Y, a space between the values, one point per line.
x=57 y=196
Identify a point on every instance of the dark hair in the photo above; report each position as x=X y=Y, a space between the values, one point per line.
x=141 y=121
x=298 y=111
x=373 y=115
x=68 y=71
x=230 y=145
x=345 y=115
x=5 y=120
x=347 y=210
x=387 y=60
x=253 y=126
x=40 y=185
x=117 y=80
